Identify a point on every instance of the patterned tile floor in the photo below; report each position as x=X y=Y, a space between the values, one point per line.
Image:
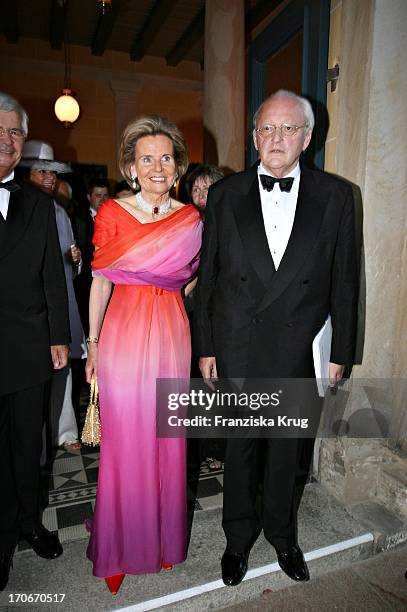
x=72 y=492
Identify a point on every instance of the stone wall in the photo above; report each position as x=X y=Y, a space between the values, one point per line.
x=367 y=145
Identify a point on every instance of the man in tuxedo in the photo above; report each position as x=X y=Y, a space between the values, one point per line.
x=97 y=193
x=34 y=331
x=278 y=256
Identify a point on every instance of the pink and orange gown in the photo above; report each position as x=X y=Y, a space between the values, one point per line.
x=140 y=513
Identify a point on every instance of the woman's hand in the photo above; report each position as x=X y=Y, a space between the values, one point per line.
x=99 y=296
x=91 y=362
x=191 y=286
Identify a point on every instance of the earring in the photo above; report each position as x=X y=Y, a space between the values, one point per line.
x=133 y=182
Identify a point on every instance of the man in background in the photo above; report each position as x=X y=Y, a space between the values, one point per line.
x=97 y=193
x=43 y=170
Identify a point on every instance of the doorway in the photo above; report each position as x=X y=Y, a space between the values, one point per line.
x=292 y=53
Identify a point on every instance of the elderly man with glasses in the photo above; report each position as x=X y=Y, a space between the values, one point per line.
x=34 y=333
x=278 y=257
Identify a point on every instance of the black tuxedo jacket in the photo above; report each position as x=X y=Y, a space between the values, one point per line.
x=33 y=296
x=84 y=225
x=259 y=322
x=83 y=229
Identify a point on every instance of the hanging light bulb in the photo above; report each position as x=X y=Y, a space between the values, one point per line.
x=67 y=108
x=104 y=6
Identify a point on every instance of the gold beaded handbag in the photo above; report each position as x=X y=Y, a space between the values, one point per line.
x=91 y=432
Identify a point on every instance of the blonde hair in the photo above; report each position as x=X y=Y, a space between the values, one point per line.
x=151 y=125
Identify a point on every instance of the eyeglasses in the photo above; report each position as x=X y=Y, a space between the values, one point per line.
x=14 y=133
x=268 y=130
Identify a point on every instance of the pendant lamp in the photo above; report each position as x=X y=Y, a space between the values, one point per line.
x=66 y=107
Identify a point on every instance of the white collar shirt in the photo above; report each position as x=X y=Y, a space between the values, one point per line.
x=92 y=212
x=278 y=208
x=5 y=196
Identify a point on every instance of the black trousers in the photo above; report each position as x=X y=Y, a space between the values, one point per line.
x=283 y=464
x=21 y=420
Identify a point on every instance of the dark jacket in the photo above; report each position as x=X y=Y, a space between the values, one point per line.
x=260 y=322
x=33 y=296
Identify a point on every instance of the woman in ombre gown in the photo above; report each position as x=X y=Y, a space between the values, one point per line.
x=146 y=248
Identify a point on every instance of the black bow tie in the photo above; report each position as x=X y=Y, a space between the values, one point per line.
x=268 y=182
x=10 y=186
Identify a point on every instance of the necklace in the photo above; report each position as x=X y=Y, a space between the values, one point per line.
x=162 y=209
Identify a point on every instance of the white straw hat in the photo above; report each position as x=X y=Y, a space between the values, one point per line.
x=39 y=155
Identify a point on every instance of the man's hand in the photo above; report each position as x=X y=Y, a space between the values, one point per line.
x=335 y=372
x=59 y=355
x=74 y=254
x=207 y=365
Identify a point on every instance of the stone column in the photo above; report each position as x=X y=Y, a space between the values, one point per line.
x=375 y=156
x=376 y=159
x=386 y=190
x=126 y=105
x=224 y=85
x=371 y=151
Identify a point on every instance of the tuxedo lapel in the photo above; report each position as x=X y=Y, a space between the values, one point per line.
x=250 y=223
x=307 y=222
x=19 y=214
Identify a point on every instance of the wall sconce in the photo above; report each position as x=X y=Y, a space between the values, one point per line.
x=66 y=107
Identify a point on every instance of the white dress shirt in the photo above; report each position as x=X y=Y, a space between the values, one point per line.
x=5 y=196
x=278 y=208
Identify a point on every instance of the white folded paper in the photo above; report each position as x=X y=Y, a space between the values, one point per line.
x=321 y=352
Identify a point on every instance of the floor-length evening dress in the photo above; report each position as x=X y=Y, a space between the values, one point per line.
x=140 y=513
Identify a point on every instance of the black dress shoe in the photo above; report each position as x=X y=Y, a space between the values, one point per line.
x=234 y=568
x=293 y=564
x=44 y=543
x=6 y=561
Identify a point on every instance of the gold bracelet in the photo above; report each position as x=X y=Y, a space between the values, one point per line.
x=92 y=339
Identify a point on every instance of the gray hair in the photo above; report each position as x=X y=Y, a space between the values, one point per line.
x=9 y=104
x=303 y=103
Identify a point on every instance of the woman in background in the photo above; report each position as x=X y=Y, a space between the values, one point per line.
x=199 y=181
x=146 y=246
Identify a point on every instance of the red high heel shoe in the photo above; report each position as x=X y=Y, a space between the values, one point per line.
x=166 y=566
x=114 y=582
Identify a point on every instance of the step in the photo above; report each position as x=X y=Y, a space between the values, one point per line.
x=392 y=486
x=388 y=528
x=328 y=534
x=376 y=584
